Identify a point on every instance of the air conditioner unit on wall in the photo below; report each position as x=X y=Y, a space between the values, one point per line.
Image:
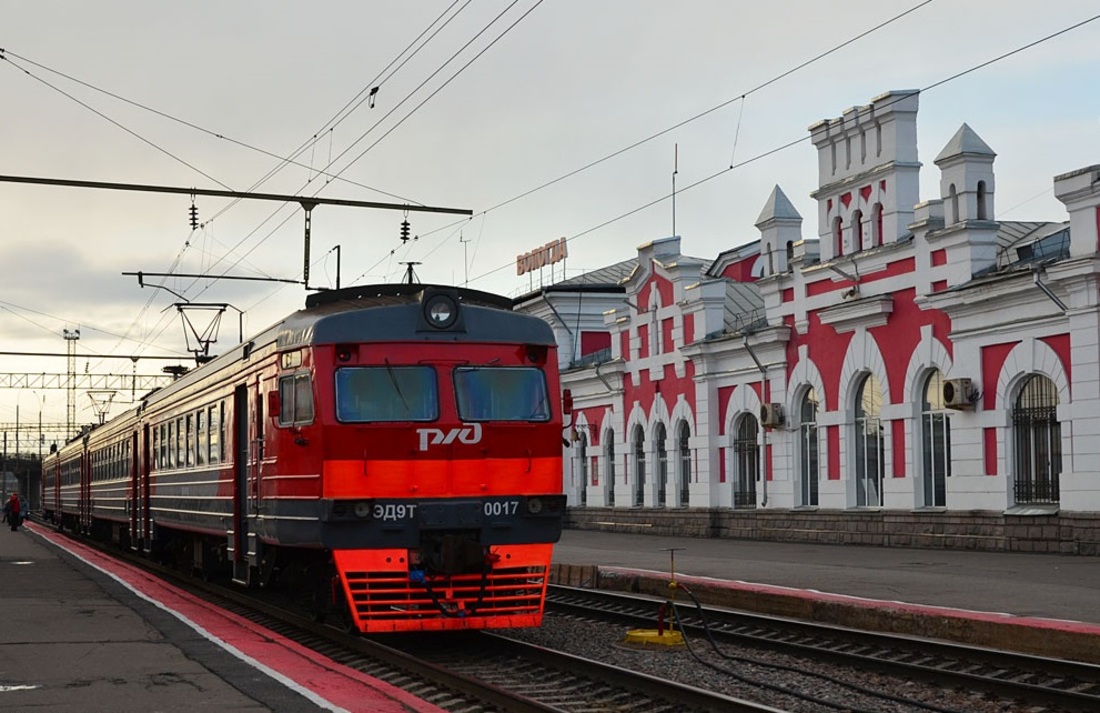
x=959 y=393
x=772 y=415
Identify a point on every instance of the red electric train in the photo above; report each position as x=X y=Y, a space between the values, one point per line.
x=392 y=452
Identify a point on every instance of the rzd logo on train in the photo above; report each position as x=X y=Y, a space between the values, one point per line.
x=436 y=436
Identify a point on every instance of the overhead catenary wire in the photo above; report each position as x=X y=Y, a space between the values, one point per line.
x=421 y=104
x=438 y=89
x=691 y=119
x=371 y=87
x=803 y=139
x=340 y=115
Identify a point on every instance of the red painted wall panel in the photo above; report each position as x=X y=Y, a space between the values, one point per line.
x=741 y=271
x=724 y=394
x=993 y=358
x=898 y=437
x=1060 y=344
x=827 y=350
x=592 y=342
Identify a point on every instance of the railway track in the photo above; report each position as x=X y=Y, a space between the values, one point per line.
x=1035 y=681
x=474 y=672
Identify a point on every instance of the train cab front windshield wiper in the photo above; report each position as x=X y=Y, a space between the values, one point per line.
x=397 y=387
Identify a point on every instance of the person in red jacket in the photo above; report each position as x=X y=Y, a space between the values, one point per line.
x=13 y=511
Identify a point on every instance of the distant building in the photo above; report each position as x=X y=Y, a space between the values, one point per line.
x=916 y=373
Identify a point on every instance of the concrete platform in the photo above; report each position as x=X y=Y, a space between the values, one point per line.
x=82 y=633
x=1036 y=603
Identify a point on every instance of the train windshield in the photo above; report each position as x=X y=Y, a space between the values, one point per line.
x=386 y=393
x=501 y=394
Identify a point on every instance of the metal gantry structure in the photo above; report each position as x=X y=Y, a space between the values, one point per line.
x=70 y=353
x=104 y=383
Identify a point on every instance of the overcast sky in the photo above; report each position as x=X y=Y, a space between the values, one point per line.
x=211 y=94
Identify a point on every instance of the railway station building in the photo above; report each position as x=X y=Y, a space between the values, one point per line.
x=897 y=371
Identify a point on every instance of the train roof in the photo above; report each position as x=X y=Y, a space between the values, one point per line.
x=394 y=313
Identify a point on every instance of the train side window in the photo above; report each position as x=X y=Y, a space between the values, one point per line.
x=501 y=394
x=189 y=441
x=215 y=426
x=170 y=445
x=366 y=394
x=201 y=447
x=295 y=399
x=181 y=450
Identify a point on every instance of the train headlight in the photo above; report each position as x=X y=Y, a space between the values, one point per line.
x=362 y=509
x=441 y=311
x=545 y=505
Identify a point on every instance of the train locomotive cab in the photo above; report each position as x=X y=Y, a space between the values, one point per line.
x=434 y=423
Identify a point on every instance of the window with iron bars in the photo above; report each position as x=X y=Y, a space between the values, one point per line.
x=660 y=439
x=1037 y=441
x=746 y=451
x=685 y=463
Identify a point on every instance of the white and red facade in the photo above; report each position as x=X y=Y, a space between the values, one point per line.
x=793 y=388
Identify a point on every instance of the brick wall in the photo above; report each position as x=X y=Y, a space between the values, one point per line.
x=1065 y=533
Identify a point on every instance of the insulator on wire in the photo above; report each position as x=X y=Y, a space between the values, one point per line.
x=194 y=217
x=404 y=231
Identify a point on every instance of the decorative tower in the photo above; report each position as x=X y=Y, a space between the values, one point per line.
x=780 y=227
x=966 y=178
x=966 y=196
x=868 y=174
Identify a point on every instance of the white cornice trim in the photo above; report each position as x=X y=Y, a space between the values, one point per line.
x=867 y=312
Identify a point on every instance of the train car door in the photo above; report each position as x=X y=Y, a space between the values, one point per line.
x=258 y=454
x=142 y=497
x=133 y=496
x=84 y=506
x=240 y=480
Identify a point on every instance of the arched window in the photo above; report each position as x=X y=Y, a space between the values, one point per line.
x=953 y=204
x=746 y=452
x=935 y=443
x=862 y=147
x=878 y=139
x=582 y=467
x=982 y=214
x=683 y=437
x=857 y=231
x=790 y=255
x=1038 y=442
x=609 y=467
x=808 y=469
x=660 y=438
x=838 y=236
x=639 y=466
x=876 y=224
x=870 y=444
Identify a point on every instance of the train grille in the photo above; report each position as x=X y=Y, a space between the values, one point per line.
x=382 y=598
x=384 y=595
